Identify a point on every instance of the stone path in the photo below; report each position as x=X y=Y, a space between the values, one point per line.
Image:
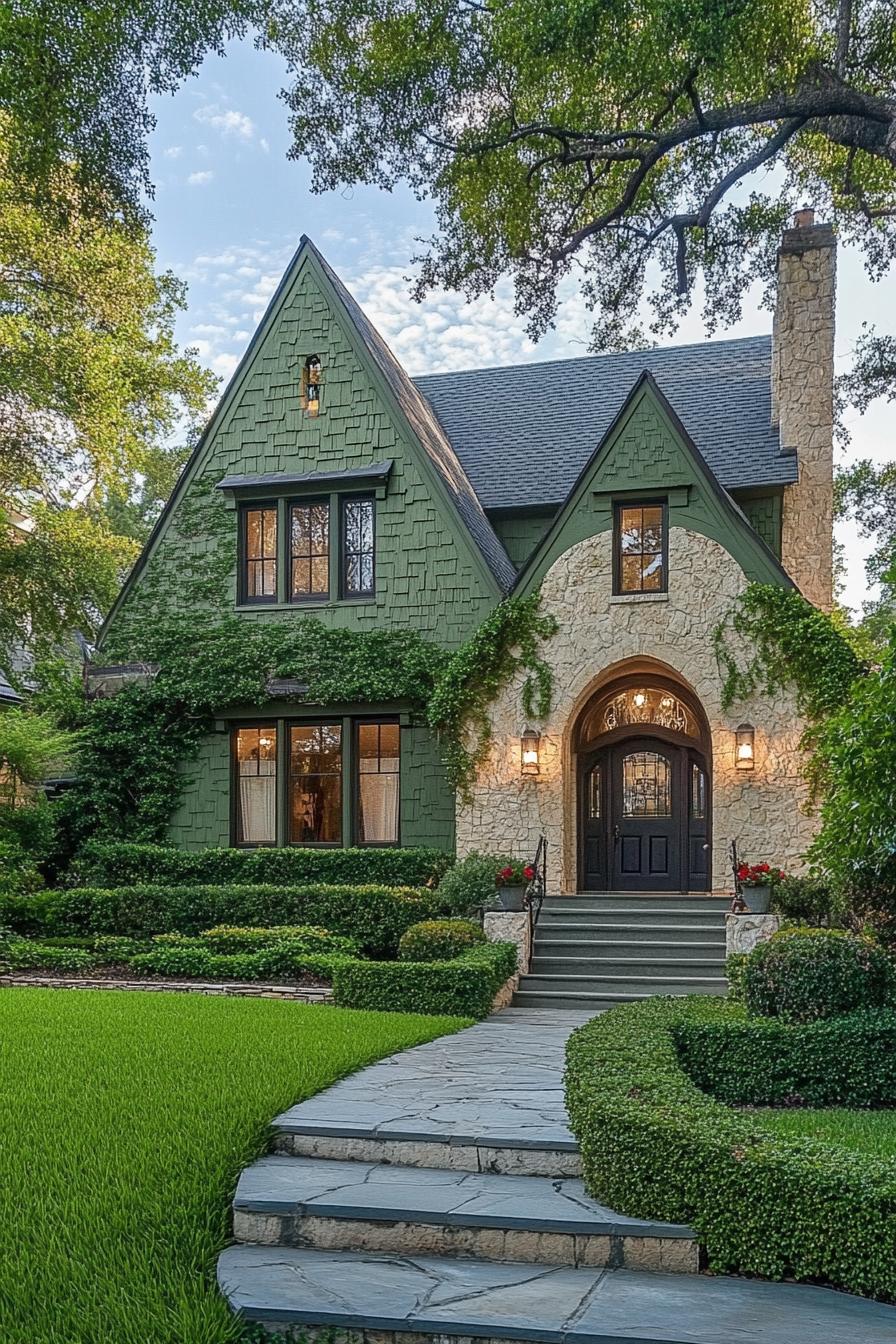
x=437 y=1193
x=235 y=989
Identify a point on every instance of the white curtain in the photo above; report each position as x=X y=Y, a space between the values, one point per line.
x=379 y=808
x=258 y=809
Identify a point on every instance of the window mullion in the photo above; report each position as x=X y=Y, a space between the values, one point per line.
x=284 y=549
x=283 y=750
x=336 y=544
x=349 y=782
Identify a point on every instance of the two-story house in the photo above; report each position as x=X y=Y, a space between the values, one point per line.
x=639 y=492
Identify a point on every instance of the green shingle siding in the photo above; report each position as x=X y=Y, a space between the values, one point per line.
x=521 y=533
x=764 y=515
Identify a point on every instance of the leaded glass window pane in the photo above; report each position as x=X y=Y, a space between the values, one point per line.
x=315 y=783
x=255 y=759
x=359 y=548
x=698 y=793
x=260 y=554
x=640 y=540
x=594 y=794
x=646 y=785
x=309 y=552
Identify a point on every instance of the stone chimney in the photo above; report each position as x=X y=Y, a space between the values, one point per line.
x=803 y=400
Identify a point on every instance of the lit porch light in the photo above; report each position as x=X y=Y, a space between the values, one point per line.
x=639 y=699
x=529 y=747
x=744 y=740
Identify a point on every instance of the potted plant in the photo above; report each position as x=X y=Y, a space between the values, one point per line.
x=512 y=881
x=755 y=882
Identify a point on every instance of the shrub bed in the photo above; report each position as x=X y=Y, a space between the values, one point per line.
x=468 y=984
x=655 y=1146
x=375 y=916
x=439 y=940
x=841 y=1061
x=115 y=864
x=801 y=975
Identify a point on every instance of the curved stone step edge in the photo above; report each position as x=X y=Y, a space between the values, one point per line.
x=486 y=1153
x=452 y=1299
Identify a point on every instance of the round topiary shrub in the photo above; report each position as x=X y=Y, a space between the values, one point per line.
x=472 y=882
x=807 y=974
x=439 y=940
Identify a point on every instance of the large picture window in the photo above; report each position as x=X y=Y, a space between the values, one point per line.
x=255 y=778
x=315 y=784
x=358 y=558
x=309 y=541
x=639 y=562
x=259 y=577
x=378 y=783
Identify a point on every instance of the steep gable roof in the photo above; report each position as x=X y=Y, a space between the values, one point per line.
x=428 y=431
x=597 y=473
x=524 y=432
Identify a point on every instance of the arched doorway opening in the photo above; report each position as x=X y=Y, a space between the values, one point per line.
x=643 y=788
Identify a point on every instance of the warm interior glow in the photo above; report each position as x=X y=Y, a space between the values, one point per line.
x=529 y=743
x=639 y=699
x=743 y=747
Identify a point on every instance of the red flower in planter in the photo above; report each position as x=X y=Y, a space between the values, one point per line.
x=506 y=873
x=528 y=872
x=742 y=871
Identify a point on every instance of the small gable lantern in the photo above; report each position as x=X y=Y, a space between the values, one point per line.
x=744 y=738
x=530 y=743
x=311 y=381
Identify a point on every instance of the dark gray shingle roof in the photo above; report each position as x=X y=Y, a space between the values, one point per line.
x=7 y=695
x=430 y=434
x=524 y=432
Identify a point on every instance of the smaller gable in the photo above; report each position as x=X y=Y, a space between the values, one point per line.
x=647 y=450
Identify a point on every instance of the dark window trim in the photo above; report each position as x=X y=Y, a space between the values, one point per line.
x=245 y=598
x=346 y=593
x=618 y=506
x=356 y=723
x=235 y=843
x=308 y=502
x=317 y=722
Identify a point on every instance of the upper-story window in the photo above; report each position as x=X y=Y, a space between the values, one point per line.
x=640 y=550
x=259 y=544
x=312 y=377
x=309 y=552
x=358 y=548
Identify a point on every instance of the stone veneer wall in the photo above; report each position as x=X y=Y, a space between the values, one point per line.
x=803 y=404
x=598 y=635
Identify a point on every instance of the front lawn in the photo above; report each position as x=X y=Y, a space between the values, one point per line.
x=125 y=1119
x=865 y=1131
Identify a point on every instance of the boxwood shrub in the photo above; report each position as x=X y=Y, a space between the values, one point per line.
x=115 y=864
x=464 y=987
x=840 y=1061
x=800 y=975
x=439 y=939
x=375 y=916
x=655 y=1146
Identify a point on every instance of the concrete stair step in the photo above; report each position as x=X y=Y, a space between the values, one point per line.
x=708 y=905
x=615 y=914
x=624 y=947
x=641 y=984
x=592 y=1001
x=293 y=1289
x=575 y=931
x=288 y=1201
x=636 y=967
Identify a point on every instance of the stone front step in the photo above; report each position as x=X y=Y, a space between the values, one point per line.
x=633 y=984
x=657 y=918
x=570 y=1000
x=283 y=1201
x=573 y=931
x=634 y=966
x=414 y=1298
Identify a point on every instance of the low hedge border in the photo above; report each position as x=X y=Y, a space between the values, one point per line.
x=120 y=863
x=654 y=1146
x=463 y=987
x=376 y=916
x=839 y=1061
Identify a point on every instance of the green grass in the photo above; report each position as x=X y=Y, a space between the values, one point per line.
x=124 y=1122
x=865 y=1131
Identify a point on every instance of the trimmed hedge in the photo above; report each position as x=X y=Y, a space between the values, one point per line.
x=281 y=962
x=439 y=940
x=801 y=975
x=464 y=987
x=375 y=916
x=841 y=1061
x=655 y=1146
x=116 y=864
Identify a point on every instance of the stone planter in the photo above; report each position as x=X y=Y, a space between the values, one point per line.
x=512 y=898
x=756 y=897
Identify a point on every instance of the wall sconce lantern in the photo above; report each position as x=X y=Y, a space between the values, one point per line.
x=744 y=739
x=529 y=745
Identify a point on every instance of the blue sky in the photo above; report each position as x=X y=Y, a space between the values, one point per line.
x=230 y=207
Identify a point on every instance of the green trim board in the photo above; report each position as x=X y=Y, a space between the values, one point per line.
x=276 y=485
x=647 y=453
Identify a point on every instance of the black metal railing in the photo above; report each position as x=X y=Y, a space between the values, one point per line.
x=538 y=884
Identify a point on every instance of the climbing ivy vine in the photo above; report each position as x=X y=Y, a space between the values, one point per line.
x=136 y=743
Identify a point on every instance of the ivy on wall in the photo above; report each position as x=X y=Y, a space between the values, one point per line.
x=790 y=643
x=137 y=742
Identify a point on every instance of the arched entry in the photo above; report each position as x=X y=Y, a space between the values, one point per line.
x=643 y=789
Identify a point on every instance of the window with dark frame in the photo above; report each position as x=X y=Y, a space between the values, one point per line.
x=640 y=550
x=358 y=548
x=315 y=784
x=311 y=381
x=255 y=785
x=259 y=579
x=378 y=754
x=309 y=552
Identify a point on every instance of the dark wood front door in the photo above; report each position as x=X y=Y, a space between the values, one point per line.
x=644 y=818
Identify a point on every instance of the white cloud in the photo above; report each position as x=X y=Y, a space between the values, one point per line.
x=226 y=120
x=173 y=151
x=199 y=179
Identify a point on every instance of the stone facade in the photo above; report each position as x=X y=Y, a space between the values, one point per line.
x=600 y=637
x=803 y=401
x=743 y=933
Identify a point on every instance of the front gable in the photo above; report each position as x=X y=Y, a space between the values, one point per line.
x=440 y=568
x=647 y=453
